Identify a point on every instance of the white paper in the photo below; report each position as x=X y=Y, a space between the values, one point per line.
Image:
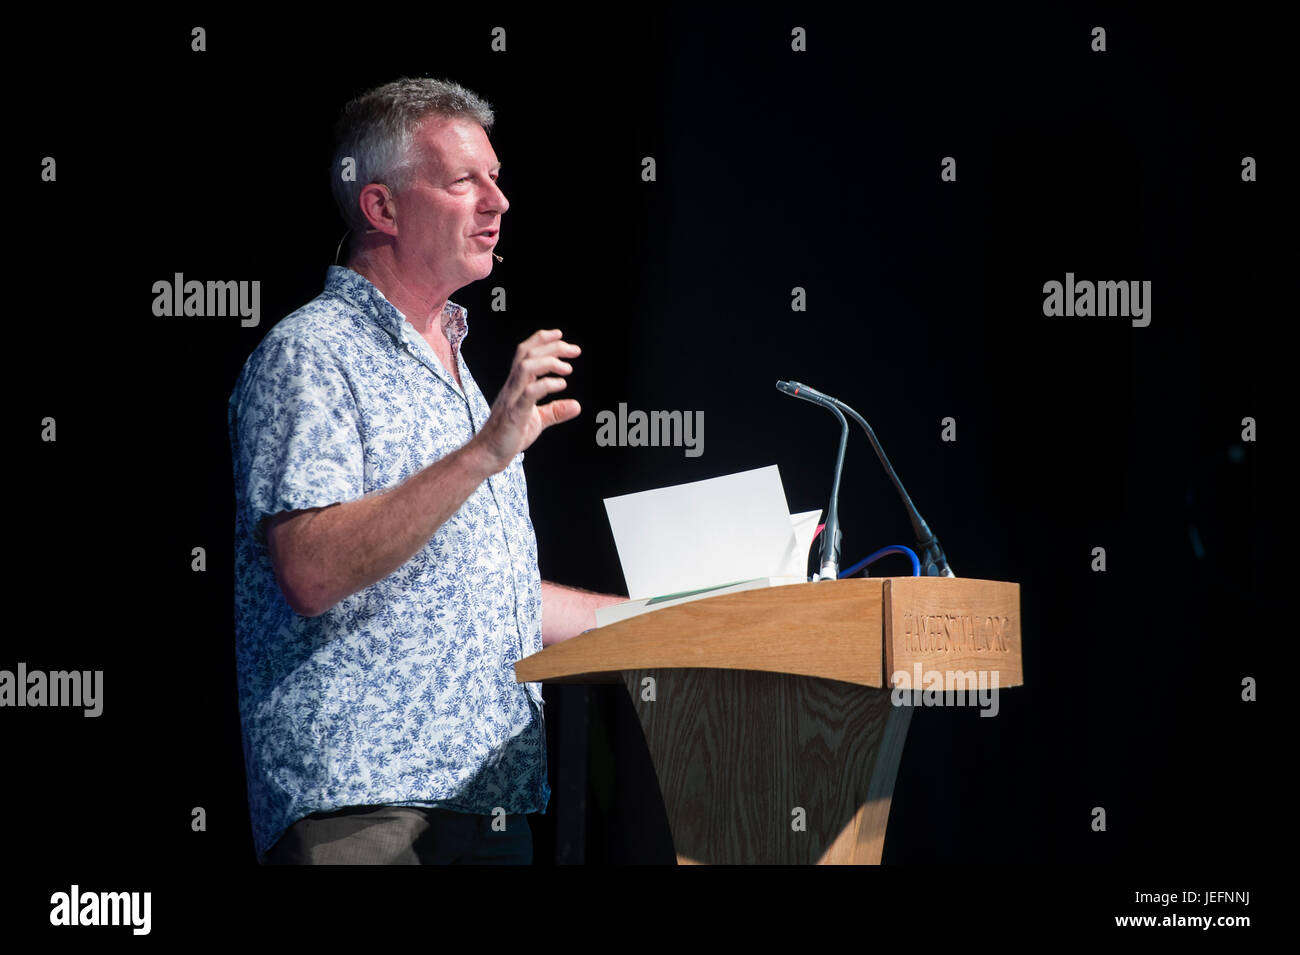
x=795 y=563
x=707 y=534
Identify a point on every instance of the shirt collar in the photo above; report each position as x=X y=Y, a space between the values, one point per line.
x=360 y=292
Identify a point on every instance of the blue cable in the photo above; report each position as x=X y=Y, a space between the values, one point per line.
x=892 y=549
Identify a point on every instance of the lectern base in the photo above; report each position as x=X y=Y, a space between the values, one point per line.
x=760 y=767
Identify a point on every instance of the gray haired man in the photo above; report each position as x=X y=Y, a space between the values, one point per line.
x=386 y=566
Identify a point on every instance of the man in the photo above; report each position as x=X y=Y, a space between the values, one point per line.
x=386 y=567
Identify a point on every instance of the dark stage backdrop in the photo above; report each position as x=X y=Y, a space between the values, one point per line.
x=919 y=179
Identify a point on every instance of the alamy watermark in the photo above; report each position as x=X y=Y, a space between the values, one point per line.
x=102 y=908
x=1103 y=299
x=655 y=429
x=177 y=298
x=83 y=688
x=946 y=688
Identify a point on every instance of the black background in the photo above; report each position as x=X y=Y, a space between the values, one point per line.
x=774 y=170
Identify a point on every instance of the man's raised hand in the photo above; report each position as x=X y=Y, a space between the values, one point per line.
x=517 y=419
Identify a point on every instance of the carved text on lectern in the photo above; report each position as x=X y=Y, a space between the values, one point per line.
x=947 y=632
x=952 y=625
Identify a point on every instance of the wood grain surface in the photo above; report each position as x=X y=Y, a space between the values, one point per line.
x=831 y=629
x=740 y=753
x=952 y=625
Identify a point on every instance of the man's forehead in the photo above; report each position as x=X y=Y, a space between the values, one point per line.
x=444 y=141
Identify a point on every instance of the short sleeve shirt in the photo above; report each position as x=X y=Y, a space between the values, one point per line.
x=402 y=693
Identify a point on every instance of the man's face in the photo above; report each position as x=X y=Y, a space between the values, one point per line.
x=452 y=200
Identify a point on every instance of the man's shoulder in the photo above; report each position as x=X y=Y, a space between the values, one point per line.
x=327 y=326
x=327 y=331
x=325 y=321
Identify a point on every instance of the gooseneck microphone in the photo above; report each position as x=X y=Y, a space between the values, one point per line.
x=831 y=537
x=934 y=563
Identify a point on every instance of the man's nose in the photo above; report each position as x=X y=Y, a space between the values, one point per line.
x=496 y=200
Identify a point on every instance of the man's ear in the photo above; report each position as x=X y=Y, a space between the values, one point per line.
x=379 y=206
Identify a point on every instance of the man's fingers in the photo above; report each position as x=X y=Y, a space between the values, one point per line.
x=526 y=376
x=551 y=344
x=543 y=335
x=544 y=386
x=558 y=411
x=531 y=378
x=535 y=367
x=558 y=347
x=540 y=337
x=553 y=350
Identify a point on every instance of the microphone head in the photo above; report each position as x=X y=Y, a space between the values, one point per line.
x=797 y=389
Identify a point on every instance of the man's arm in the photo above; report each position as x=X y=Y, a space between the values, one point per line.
x=322 y=555
x=568 y=611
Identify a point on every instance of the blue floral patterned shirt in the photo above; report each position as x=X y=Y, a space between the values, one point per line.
x=404 y=692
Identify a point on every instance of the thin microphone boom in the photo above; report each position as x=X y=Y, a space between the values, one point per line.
x=934 y=563
x=831 y=537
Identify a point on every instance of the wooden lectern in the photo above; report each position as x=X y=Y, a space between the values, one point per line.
x=769 y=714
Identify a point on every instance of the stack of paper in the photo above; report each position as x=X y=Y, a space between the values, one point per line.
x=706 y=538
